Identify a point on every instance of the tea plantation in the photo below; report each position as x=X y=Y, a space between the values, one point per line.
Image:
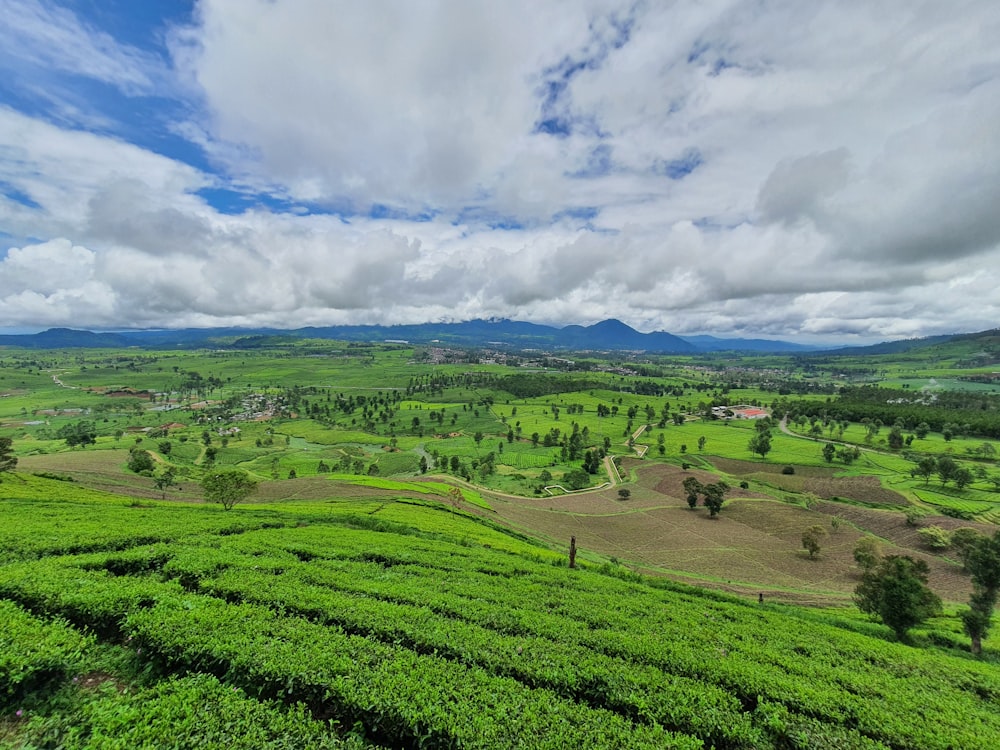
x=414 y=625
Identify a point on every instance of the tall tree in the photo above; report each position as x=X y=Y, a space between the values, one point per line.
x=760 y=444
x=228 y=487
x=926 y=467
x=812 y=538
x=165 y=480
x=714 y=495
x=982 y=560
x=895 y=590
x=693 y=488
x=7 y=458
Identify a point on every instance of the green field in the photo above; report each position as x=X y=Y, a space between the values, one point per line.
x=399 y=578
x=349 y=627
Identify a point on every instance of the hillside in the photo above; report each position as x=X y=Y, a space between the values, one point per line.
x=412 y=623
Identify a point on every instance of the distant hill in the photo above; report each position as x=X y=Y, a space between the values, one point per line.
x=984 y=345
x=607 y=335
x=714 y=344
x=890 y=347
x=66 y=338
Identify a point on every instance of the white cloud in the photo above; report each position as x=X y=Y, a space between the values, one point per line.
x=44 y=35
x=727 y=167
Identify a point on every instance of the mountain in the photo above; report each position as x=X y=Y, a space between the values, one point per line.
x=66 y=338
x=714 y=344
x=893 y=347
x=607 y=335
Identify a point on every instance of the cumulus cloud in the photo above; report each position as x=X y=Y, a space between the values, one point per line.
x=818 y=170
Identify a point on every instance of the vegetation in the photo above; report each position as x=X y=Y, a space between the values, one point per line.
x=8 y=461
x=263 y=616
x=982 y=559
x=895 y=590
x=228 y=487
x=401 y=538
x=812 y=539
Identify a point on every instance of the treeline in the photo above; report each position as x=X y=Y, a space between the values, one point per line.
x=977 y=413
x=533 y=385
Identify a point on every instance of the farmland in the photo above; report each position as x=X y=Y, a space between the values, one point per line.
x=323 y=620
x=399 y=578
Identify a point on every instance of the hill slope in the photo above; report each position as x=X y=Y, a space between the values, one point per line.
x=407 y=622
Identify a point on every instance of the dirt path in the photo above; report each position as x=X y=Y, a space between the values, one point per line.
x=640 y=450
x=57 y=381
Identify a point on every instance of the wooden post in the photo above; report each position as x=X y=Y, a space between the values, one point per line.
x=572 y=551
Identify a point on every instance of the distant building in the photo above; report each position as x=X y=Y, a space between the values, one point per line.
x=749 y=413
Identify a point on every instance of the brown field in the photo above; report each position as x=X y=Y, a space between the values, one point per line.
x=753 y=546
x=738 y=467
x=815 y=480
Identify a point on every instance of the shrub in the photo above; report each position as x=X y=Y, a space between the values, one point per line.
x=935 y=538
x=788 y=470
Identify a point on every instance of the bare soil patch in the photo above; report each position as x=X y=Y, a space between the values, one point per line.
x=738 y=467
x=754 y=545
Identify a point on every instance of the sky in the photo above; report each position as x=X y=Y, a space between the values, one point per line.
x=821 y=172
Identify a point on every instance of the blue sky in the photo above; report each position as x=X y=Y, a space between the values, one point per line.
x=810 y=171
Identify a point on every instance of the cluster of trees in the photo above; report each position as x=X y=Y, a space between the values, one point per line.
x=894 y=588
x=712 y=495
x=847 y=454
x=82 y=433
x=534 y=385
x=946 y=468
x=954 y=413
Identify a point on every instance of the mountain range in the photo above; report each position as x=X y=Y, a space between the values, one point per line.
x=608 y=335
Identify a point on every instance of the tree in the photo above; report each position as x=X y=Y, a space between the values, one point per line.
x=896 y=438
x=849 y=454
x=164 y=447
x=963 y=540
x=165 y=480
x=228 y=487
x=576 y=479
x=701 y=443
x=946 y=468
x=982 y=560
x=926 y=467
x=895 y=591
x=962 y=477
x=714 y=495
x=829 y=451
x=760 y=444
x=693 y=488
x=78 y=433
x=140 y=461
x=624 y=493
x=7 y=458
x=811 y=539
x=867 y=553
x=935 y=538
